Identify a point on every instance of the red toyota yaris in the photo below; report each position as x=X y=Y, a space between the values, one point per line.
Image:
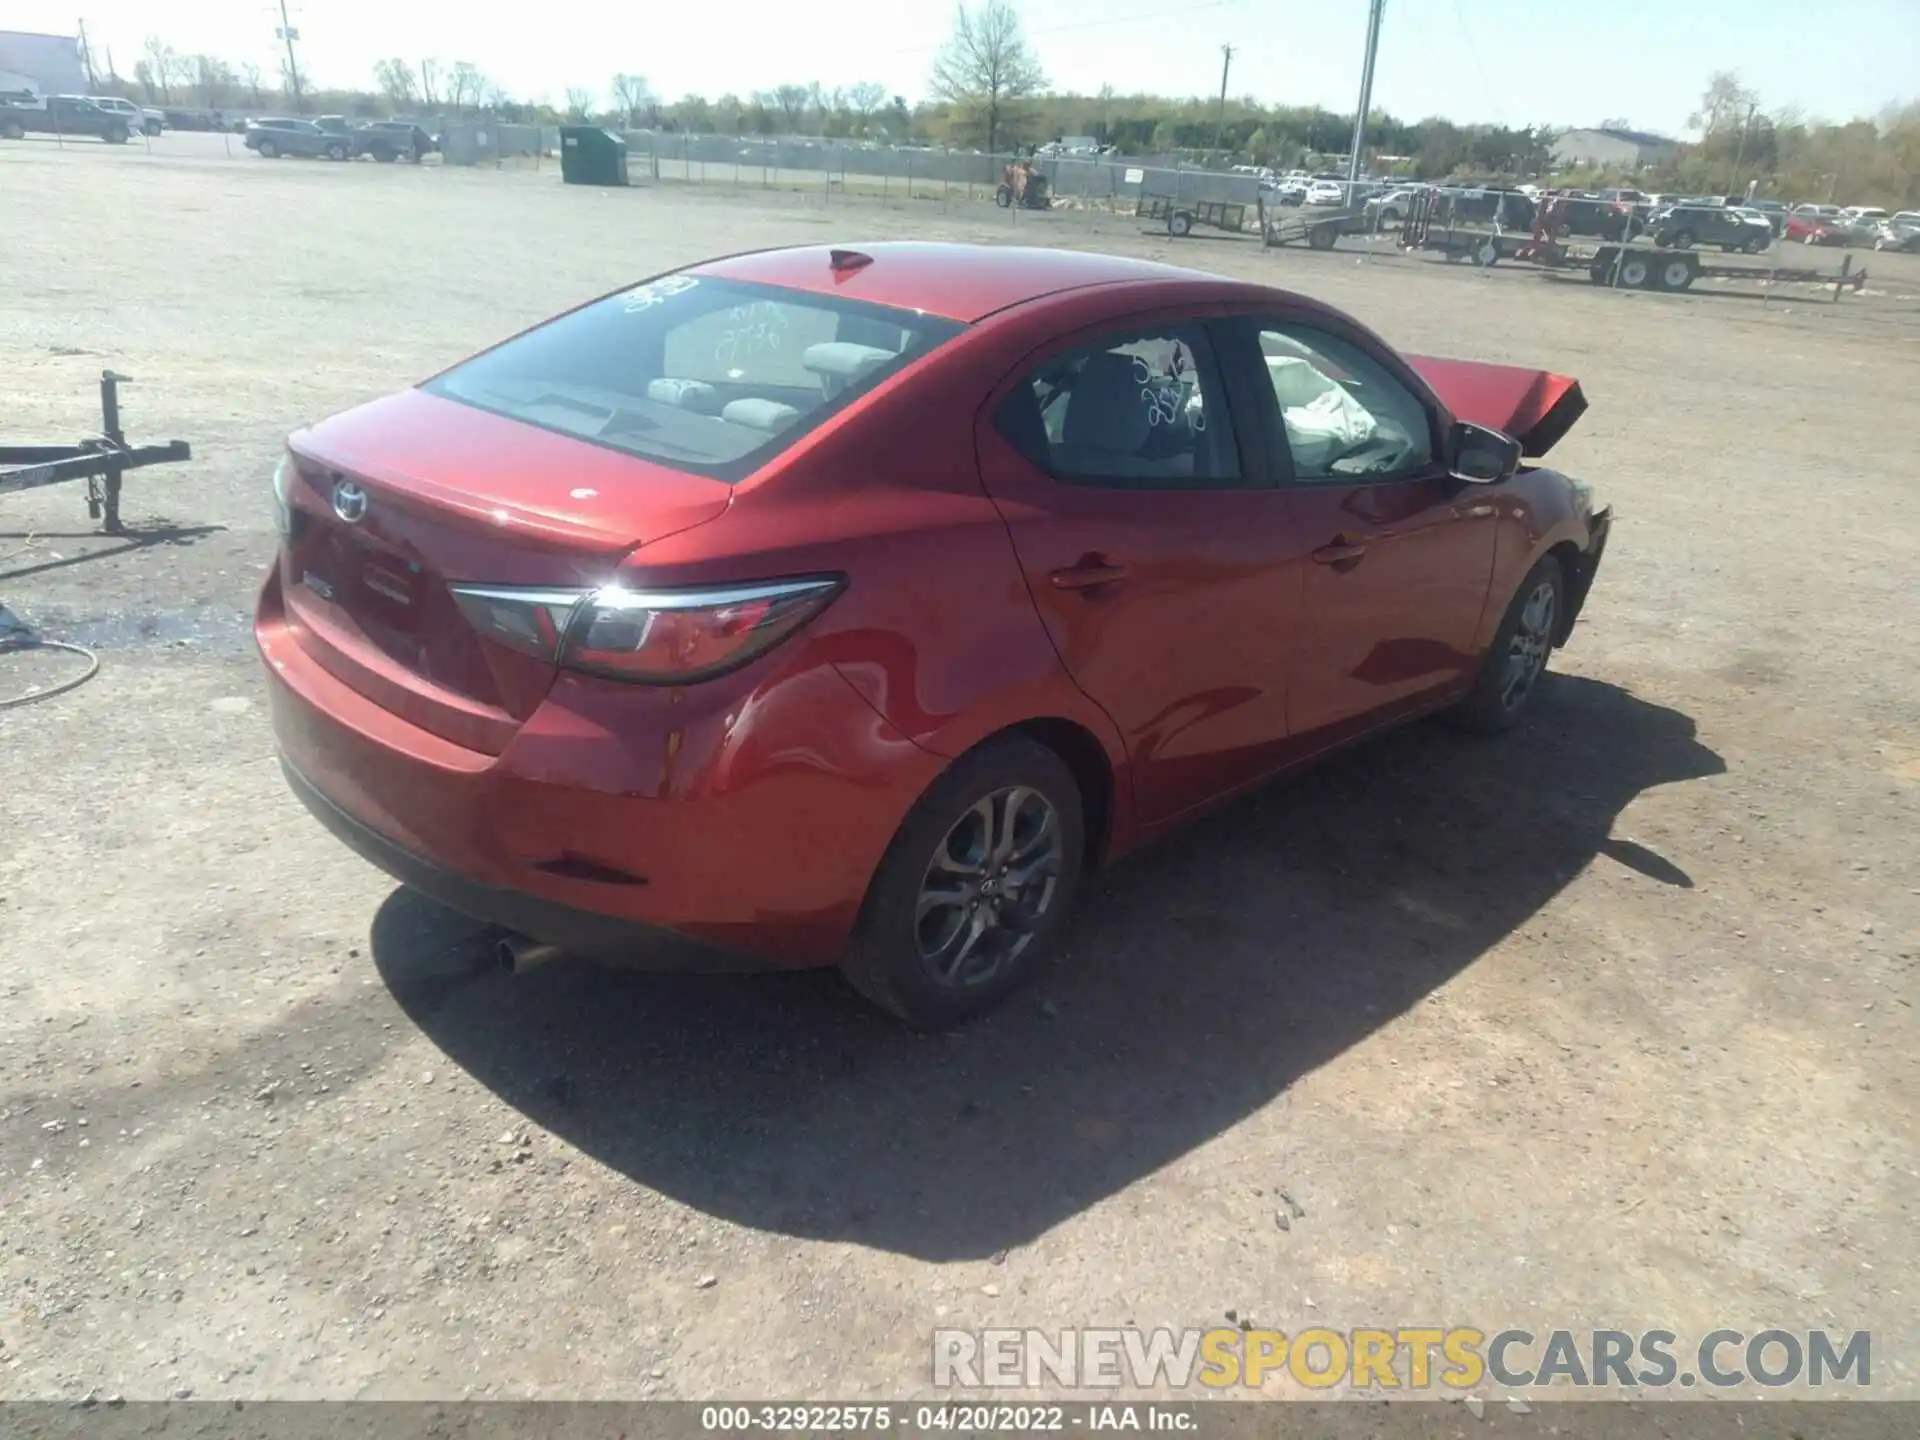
x=840 y=606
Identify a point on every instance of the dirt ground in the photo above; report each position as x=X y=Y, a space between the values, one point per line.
x=1608 y=1023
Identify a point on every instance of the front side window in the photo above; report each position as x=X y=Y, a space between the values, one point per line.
x=1346 y=417
x=710 y=376
x=1144 y=409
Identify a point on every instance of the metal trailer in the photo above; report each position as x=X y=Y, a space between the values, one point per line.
x=1645 y=267
x=1320 y=228
x=1180 y=216
x=101 y=460
x=1441 y=219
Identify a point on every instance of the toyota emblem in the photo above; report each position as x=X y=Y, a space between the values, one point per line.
x=349 y=502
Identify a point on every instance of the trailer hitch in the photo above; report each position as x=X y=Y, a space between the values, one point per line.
x=101 y=460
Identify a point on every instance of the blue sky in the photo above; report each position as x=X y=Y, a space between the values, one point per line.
x=1511 y=61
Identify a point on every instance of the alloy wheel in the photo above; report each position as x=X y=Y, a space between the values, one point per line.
x=992 y=879
x=1532 y=642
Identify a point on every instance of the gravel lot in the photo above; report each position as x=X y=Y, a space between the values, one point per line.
x=1607 y=1023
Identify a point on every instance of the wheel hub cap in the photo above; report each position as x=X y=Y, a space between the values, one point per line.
x=990 y=882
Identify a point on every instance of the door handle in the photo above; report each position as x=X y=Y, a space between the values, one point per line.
x=1341 y=552
x=1087 y=575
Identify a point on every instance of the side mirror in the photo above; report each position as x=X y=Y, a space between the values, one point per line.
x=1481 y=456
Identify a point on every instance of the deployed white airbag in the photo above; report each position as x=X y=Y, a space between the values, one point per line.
x=1323 y=421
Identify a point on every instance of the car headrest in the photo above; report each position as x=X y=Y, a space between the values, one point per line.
x=1105 y=413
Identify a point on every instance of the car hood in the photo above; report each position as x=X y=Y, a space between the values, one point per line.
x=1535 y=407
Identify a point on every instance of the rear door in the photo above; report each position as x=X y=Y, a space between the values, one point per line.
x=1399 y=554
x=1156 y=548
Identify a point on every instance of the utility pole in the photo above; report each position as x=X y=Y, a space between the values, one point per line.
x=1377 y=9
x=289 y=34
x=1740 y=150
x=86 y=59
x=1220 y=121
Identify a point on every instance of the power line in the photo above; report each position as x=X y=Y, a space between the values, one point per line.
x=1162 y=13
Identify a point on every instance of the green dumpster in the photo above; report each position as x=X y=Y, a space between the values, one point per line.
x=592 y=156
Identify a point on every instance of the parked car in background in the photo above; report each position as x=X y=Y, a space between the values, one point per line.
x=65 y=115
x=139 y=120
x=1325 y=192
x=278 y=135
x=861 y=647
x=1389 y=209
x=1900 y=233
x=1809 y=227
x=389 y=140
x=1683 y=226
x=1774 y=210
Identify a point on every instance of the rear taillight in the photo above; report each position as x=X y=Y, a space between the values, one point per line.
x=651 y=637
x=531 y=621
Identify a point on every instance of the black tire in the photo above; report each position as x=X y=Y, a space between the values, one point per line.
x=1494 y=704
x=1180 y=222
x=1635 y=273
x=1323 y=237
x=1487 y=255
x=336 y=151
x=1679 y=240
x=116 y=134
x=268 y=150
x=1674 y=275
x=1757 y=246
x=385 y=157
x=886 y=960
x=1003 y=197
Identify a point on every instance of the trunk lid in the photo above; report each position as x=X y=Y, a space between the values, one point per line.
x=400 y=499
x=1535 y=407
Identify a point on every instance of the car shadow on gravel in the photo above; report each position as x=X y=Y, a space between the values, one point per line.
x=1205 y=977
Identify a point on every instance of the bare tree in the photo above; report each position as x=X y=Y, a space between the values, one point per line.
x=792 y=100
x=159 y=67
x=395 y=78
x=465 y=86
x=293 y=80
x=865 y=98
x=250 y=77
x=213 y=78
x=433 y=74
x=1723 y=106
x=579 y=102
x=728 y=113
x=986 y=69
x=630 y=94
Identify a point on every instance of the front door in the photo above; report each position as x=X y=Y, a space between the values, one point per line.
x=1400 y=554
x=1155 y=547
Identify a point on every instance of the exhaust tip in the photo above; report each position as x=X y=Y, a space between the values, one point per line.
x=518 y=954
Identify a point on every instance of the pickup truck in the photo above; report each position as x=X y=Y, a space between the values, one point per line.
x=64 y=115
x=140 y=120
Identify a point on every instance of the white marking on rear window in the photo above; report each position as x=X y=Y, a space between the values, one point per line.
x=645 y=297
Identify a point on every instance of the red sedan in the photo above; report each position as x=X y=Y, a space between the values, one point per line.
x=840 y=607
x=1811 y=229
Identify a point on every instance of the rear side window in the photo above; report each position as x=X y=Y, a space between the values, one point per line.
x=709 y=376
x=1142 y=410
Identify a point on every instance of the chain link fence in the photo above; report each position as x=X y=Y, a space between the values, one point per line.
x=888 y=173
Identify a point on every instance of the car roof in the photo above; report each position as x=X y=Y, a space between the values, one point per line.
x=959 y=282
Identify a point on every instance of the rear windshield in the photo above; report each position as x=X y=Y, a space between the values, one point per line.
x=710 y=376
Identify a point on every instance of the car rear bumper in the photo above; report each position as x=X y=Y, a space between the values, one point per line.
x=580 y=932
x=746 y=815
